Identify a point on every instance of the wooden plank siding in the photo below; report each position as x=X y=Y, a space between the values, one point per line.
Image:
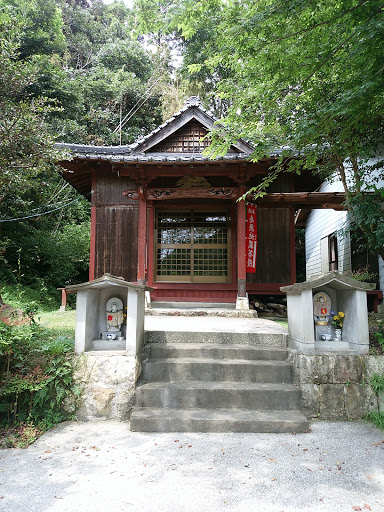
x=110 y=188
x=116 y=241
x=116 y=227
x=321 y=224
x=273 y=247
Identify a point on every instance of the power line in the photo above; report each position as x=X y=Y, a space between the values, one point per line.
x=140 y=102
x=44 y=213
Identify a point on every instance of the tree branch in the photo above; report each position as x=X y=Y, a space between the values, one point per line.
x=309 y=29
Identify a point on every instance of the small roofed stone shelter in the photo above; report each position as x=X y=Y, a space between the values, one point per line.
x=347 y=295
x=164 y=214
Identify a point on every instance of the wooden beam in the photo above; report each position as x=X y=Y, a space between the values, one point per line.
x=292 y=245
x=142 y=240
x=159 y=194
x=311 y=200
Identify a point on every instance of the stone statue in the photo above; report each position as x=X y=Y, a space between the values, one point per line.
x=321 y=308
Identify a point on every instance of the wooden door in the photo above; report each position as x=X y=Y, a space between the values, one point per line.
x=192 y=246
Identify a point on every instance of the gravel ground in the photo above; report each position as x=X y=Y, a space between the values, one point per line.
x=102 y=466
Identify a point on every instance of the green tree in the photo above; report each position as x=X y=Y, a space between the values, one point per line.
x=110 y=77
x=72 y=88
x=27 y=146
x=303 y=74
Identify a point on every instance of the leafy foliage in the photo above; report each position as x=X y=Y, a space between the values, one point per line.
x=26 y=143
x=37 y=376
x=107 y=74
x=377 y=418
x=377 y=384
x=304 y=75
x=367 y=212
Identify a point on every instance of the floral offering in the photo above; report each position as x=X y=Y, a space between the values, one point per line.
x=337 y=319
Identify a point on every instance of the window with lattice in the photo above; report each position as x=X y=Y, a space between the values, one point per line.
x=192 y=246
x=191 y=138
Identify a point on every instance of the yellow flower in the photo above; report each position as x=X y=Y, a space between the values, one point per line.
x=336 y=317
x=341 y=314
x=341 y=324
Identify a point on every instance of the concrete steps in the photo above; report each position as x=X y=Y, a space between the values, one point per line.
x=204 y=369
x=222 y=420
x=218 y=395
x=270 y=339
x=211 y=350
x=208 y=387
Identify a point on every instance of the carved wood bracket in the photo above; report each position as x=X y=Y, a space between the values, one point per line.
x=157 y=194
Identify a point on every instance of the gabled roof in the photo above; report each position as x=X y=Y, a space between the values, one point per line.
x=140 y=151
x=192 y=109
x=106 y=280
x=334 y=278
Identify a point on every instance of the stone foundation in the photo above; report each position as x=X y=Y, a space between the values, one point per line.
x=336 y=387
x=108 y=381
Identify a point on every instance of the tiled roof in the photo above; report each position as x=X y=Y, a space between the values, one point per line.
x=128 y=154
x=121 y=154
x=192 y=101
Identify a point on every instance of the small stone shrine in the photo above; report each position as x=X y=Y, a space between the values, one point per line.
x=109 y=315
x=310 y=306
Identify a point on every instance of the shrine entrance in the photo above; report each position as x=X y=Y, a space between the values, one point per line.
x=192 y=246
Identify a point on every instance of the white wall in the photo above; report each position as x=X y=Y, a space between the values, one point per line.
x=320 y=224
x=381 y=273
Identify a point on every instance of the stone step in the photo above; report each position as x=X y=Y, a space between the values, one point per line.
x=217 y=395
x=214 y=351
x=107 y=345
x=218 y=420
x=181 y=306
x=205 y=369
x=269 y=339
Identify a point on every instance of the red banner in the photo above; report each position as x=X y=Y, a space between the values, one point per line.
x=251 y=239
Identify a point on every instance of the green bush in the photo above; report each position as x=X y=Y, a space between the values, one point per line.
x=38 y=297
x=377 y=384
x=36 y=377
x=379 y=335
x=377 y=418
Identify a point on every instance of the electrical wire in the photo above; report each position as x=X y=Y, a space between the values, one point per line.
x=136 y=107
x=44 y=213
x=140 y=102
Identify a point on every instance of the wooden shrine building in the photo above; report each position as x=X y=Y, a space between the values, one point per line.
x=165 y=215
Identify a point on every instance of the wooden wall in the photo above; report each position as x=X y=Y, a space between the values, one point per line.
x=273 y=247
x=116 y=242
x=116 y=227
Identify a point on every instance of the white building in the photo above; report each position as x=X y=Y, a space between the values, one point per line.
x=328 y=247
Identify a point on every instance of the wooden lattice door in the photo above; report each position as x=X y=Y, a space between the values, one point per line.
x=192 y=246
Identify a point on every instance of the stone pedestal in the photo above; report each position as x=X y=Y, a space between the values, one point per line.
x=347 y=295
x=323 y=330
x=242 y=303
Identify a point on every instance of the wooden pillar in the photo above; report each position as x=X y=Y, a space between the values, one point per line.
x=92 y=254
x=142 y=241
x=241 y=263
x=151 y=242
x=63 y=300
x=292 y=243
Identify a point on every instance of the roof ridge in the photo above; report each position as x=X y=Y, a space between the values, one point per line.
x=191 y=102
